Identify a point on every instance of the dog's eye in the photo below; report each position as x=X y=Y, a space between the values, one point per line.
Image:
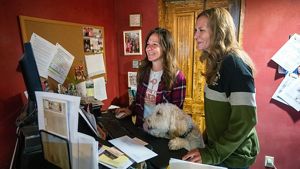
x=158 y=113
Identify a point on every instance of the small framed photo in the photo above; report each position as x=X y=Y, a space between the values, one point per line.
x=132 y=42
x=135 y=20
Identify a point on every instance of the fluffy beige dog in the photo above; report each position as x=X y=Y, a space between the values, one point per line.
x=168 y=121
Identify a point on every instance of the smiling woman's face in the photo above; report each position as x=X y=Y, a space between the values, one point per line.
x=202 y=33
x=153 y=48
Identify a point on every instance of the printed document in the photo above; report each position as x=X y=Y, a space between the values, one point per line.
x=61 y=64
x=288 y=56
x=132 y=149
x=289 y=78
x=58 y=113
x=43 y=52
x=291 y=94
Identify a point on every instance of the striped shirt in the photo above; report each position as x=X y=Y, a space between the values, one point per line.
x=230 y=116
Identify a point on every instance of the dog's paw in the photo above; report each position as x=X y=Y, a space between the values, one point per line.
x=176 y=143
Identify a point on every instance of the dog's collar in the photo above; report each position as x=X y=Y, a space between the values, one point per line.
x=187 y=132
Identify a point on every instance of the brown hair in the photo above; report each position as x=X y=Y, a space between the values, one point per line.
x=223 y=42
x=168 y=53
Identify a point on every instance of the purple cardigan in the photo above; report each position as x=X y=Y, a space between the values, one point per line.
x=175 y=95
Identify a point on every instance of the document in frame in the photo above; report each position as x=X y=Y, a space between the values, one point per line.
x=181 y=164
x=58 y=113
x=43 y=52
x=61 y=64
x=132 y=149
x=288 y=56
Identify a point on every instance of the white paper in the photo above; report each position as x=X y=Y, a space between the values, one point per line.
x=88 y=151
x=288 y=56
x=100 y=88
x=289 y=78
x=61 y=64
x=95 y=64
x=136 y=152
x=58 y=113
x=291 y=94
x=43 y=52
x=181 y=164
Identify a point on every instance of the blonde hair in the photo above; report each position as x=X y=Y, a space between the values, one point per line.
x=223 y=42
x=169 y=60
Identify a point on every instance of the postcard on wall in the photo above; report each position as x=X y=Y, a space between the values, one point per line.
x=58 y=113
x=92 y=40
x=95 y=64
x=132 y=80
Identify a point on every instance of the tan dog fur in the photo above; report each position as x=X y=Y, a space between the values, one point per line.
x=168 y=121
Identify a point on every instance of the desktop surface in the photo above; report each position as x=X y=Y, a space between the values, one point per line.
x=119 y=127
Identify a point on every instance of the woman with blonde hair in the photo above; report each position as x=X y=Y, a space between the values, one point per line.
x=230 y=106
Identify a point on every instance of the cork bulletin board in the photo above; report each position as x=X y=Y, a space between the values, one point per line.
x=70 y=35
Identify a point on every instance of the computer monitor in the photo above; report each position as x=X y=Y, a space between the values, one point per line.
x=32 y=81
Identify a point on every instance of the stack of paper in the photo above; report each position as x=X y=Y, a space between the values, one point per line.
x=58 y=114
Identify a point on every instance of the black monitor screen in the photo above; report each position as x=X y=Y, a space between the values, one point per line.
x=31 y=77
x=30 y=72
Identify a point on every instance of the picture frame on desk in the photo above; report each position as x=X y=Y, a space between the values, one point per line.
x=132 y=41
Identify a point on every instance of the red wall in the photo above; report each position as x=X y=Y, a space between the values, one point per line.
x=267 y=26
x=91 y=12
x=149 y=11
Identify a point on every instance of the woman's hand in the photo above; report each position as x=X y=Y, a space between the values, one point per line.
x=122 y=112
x=193 y=156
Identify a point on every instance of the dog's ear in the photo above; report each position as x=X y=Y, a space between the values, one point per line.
x=178 y=123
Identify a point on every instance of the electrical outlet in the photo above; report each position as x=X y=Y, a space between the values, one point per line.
x=269 y=161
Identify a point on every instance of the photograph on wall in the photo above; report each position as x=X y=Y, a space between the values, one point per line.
x=132 y=42
x=92 y=40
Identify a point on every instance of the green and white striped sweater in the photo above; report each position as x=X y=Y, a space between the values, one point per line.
x=230 y=114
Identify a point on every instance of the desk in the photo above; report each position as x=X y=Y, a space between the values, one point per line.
x=120 y=127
